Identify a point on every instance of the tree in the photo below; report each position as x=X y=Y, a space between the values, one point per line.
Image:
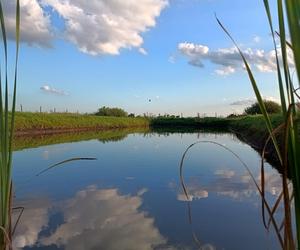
x=106 y=111
x=271 y=107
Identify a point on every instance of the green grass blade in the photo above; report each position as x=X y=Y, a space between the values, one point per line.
x=66 y=161
x=283 y=43
x=280 y=82
x=12 y=126
x=272 y=218
x=293 y=17
x=256 y=91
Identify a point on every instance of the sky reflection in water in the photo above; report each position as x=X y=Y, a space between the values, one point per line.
x=131 y=197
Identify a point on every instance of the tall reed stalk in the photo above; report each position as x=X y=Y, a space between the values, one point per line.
x=287 y=149
x=7 y=118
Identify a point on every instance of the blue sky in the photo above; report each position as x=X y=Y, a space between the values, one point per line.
x=172 y=52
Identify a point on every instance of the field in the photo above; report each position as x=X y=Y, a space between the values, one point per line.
x=35 y=122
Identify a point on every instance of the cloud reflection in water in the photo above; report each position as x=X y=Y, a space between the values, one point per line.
x=93 y=219
x=230 y=184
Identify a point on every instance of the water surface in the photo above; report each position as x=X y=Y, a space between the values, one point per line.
x=131 y=196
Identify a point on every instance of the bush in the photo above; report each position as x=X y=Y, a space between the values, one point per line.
x=106 y=111
x=271 y=107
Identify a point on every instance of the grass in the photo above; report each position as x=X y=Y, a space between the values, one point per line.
x=289 y=156
x=208 y=122
x=6 y=131
x=251 y=122
x=44 y=121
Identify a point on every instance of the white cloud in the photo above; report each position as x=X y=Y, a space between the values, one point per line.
x=257 y=39
x=51 y=90
x=243 y=102
x=231 y=184
x=229 y=59
x=34 y=218
x=35 y=24
x=143 y=51
x=93 y=219
x=250 y=101
x=193 y=195
x=106 y=27
x=172 y=59
x=225 y=173
x=225 y=71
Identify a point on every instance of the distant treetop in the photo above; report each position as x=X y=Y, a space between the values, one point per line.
x=106 y=111
x=271 y=107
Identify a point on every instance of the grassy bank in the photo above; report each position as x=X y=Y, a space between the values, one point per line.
x=250 y=129
x=252 y=124
x=208 y=122
x=39 y=122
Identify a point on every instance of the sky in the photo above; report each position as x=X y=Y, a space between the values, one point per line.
x=146 y=56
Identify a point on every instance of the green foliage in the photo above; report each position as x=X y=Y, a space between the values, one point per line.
x=6 y=131
x=289 y=155
x=271 y=108
x=106 y=111
x=26 y=121
x=172 y=121
x=110 y=135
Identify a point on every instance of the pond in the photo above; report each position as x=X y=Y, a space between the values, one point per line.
x=131 y=196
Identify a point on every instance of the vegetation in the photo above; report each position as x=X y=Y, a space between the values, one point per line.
x=207 y=122
x=253 y=125
x=6 y=133
x=271 y=108
x=45 y=121
x=116 y=112
x=289 y=157
x=23 y=142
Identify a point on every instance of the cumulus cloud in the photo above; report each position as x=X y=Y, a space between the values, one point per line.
x=35 y=25
x=106 y=27
x=51 y=90
x=229 y=59
x=96 y=218
x=95 y=27
x=92 y=219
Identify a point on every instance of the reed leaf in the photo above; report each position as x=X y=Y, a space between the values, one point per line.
x=6 y=131
x=185 y=190
x=289 y=157
x=256 y=91
x=66 y=161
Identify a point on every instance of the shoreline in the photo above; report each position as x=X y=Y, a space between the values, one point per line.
x=57 y=131
x=249 y=129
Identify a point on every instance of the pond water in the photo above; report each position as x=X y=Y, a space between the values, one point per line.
x=131 y=196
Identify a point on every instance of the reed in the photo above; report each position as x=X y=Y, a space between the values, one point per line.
x=6 y=131
x=289 y=152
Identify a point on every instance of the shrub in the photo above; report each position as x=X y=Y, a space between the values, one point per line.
x=271 y=107
x=106 y=111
